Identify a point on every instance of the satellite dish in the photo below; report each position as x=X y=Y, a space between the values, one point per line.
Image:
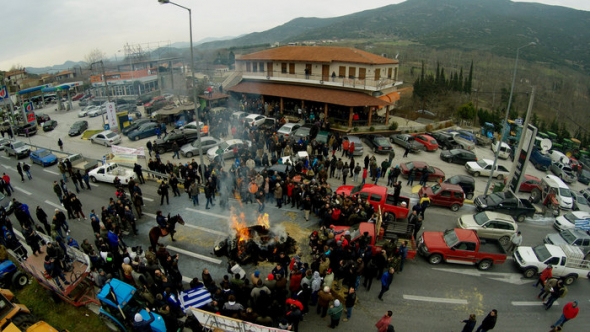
x=546 y=145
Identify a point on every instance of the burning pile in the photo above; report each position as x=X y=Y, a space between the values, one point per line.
x=254 y=243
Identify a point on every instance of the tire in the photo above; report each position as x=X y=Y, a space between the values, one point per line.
x=568 y=280
x=20 y=280
x=530 y=272
x=536 y=195
x=435 y=259
x=189 y=154
x=92 y=141
x=500 y=177
x=110 y=324
x=24 y=321
x=504 y=240
x=455 y=207
x=93 y=179
x=476 y=174
x=469 y=196
x=485 y=264
x=136 y=138
x=520 y=218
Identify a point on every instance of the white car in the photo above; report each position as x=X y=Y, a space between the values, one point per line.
x=193 y=125
x=108 y=173
x=99 y=110
x=84 y=112
x=484 y=167
x=505 y=150
x=106 y=138
x=490 y=225
x=288 y=129
x=570 y=219
x=254 y=119
x=227 y=148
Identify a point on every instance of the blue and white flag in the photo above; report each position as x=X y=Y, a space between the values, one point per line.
x=195 y=297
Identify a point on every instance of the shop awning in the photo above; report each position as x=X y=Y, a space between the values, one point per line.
x=33 y=89
x=317 y=94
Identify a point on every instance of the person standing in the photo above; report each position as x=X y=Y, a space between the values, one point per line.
x=556 y=292
x=411 y=176
x=383 y=324
x=139 y=172
x=406 y=151
x=60 y=144
x=194 y=191
x=391 y=155
x=260 y=200
x=7 y=185
x=86 y=179
x=544 y=276
x=335 y=312
x=417 y=226
x=344 y=174
x=364 y=176
x=351 y=149
x=324 y=298
x=424 y=204
x=279 y=195
x=515 y=241
x=386 y=280
x=403 y=252
x=175 y=149
x=397 y=189
x=489 y=322
x=57 y=191
x=570 y=311
x=357 y=170
x=163 y=192
x=349 y=303
x=469 y=324
x=19 y=169
x=42 y=217
x=149 y=146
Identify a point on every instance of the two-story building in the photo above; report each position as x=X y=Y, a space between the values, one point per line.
x=345 y=85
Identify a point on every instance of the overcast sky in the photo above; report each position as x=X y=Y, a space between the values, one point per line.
x=37 y=33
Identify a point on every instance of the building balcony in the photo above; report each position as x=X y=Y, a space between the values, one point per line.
x=337 y=82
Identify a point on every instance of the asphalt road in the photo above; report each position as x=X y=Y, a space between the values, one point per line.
x=423 y=297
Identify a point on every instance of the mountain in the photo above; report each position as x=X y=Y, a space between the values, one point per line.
x=68 y=65
x=562 y=34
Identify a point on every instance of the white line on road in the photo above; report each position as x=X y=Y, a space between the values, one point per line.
x=94 y=185
x=529 y=303
x=434 y=299
x=148 y=199
x=150 y=215
x=5 y=157
x=50 y=172
x=23 y=191
x=55 y=205
x=206 y=230
x=192 y=254
x=208 y=213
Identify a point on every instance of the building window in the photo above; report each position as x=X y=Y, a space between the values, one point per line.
x=283 y=68
x=261 y=67
x=255 y=67
x=248 y=67
x=342 y=71
x=377 y=74
x=351 y=72
x=362 y=73
x=389 y=70
x=292 y=68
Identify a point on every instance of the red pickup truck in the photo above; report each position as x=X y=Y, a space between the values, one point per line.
x=461 y=246
x=378 y=196
x=376 y=242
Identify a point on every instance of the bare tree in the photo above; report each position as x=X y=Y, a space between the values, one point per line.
x=94 y=56
x=16 y=66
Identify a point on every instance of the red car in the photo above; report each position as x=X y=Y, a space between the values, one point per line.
x=529 y=183
x=434 y=173
x=77 y=97
x=428 y=141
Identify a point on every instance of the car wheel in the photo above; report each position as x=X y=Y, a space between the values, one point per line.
x=504 y=240
x=189 y=154
x=536 y=195
x=20 y=280
x=570 y=279
x=469 y=196
x=92 y=141
x=530 y=272
x=455 y=207
x=500 y=177
x=485 y=264
x=520 y=218
x=93 y=179
x=476 y=174
x=435 y=259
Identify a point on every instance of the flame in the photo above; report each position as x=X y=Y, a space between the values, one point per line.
x=240 y=226
x=263 y=220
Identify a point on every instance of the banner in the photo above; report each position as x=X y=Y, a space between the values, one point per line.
x=29 y=112
x=117 y=150
x=112 y=116
x=124 y=159
x=4 y=96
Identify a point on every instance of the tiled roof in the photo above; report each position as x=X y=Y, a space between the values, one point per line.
x=317 y=94
x=321 y=54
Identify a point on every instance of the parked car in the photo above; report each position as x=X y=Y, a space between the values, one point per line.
x=288 y=129
x=106 y=138
x=227 y=148
x=567 y=261
x=458 y=156
x=434 y=173
x=254 y=119
x=444 y=194
x=97 y=111
x=406 y=141
x=17 y=149
x=134 y=125
x=466 y=182
x=490 y=225
x=506 y=202
x=580 y=202
x=558 y=156
x=49 y=125
x=570 y=219
x=563 y=171
x=484 y=167
x=147 y=129
x=78 y=128
x=26 y=130
x=445 y=140
x=529 y=183
x=3 y=143
x=84 y=111
x=378 y=197
x=180 y=136
x=43 y=157
x=109 y=172
x=41 y=117
x=205 y=143
x=584 y=177
x=430 y=144
x=573 y=237
x=359 y=150
x=193 y=125
x=541 y=161
x=379 y=143
x=305 y=131
x=77 y=97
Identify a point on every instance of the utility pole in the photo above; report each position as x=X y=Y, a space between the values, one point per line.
x=104 y=80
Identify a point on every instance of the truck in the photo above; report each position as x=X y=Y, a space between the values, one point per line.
x=378 y=241
x=507 y=203
x=17 y=149
x=119 y=302
x=568 y=261
x=379 y=198
x=79 y=162
x=465 y=144
x=541 y=161
x=14 y=313
x=461 y=246
x=109 y=172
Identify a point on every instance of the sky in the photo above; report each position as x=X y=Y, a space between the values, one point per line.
x=38 y=33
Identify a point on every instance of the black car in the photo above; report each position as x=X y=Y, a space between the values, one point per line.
x=457 y=156
x=28 y=129
x=464 y=181
x=379 y=143
x=584 y=177
x=42 y=117
x=134 y=125
x=49 y=125
x=445 y=140
x=78 y=128
x=180 y=136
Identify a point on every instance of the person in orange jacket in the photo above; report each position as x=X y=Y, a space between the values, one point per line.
x=383 y=324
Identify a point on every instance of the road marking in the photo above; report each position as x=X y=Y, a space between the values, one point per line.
x=206 y=230
x=192 y=254
x=150 y=215
x=5 y=157
x=207 y=213
x=94 y=185
x=511 y=278
x=50 y=172
x=55 y=205
x=23 y=191
x=434 y=299
x=529 y=303
x=148 y=199
x=187 y=279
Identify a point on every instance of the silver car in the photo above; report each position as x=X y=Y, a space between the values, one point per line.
x=490 y=225
x=574 y=237
x=226 y=149
x=406 y=141
x=358 y=145
x=205 y=143
x=106 y=138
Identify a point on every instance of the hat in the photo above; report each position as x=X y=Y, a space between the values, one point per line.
x=270 y=276
x=126 y=260
x=138 y=317
x=336 y=303
x=257 y=273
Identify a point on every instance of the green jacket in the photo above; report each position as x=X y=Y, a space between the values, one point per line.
x=335 y=312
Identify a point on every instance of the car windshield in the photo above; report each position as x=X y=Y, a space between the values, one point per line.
x=581 y=200
x=356 y=189
x=111 y=135
x=565 y=192
x=303 y=131
x=481 y=218
x=436 y=189
x=382 y=140
x=223 y=146
x=18 y=144
x=433 y=142
x=568 y=236
x=451 y=238
x=571 y=217
x=542 y=253
x=410 y=165
x=44 y=153
x=496 y=199
x=482 y=163
x=454 y=180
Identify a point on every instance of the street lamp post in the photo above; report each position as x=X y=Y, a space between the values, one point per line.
x=190 y=24
x=506 y=116
x=104 y=80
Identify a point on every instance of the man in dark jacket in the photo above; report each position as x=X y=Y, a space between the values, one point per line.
x=142 y=325
x=489 y=322
x=163 y=192
x=386 y=280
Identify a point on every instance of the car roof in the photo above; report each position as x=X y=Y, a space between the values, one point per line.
x=464 y=178
x=500 y=216
x=289 y=125
x=531 y=177
x=450 y=186
x=252 y=116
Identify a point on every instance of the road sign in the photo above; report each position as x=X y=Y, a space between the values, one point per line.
x=521 y=160
x=4 y=96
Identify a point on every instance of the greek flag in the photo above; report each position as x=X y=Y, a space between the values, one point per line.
x=195 y=297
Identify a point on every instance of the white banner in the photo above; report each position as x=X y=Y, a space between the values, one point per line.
x=117 y=150
x=214 y=321
x=112 y=116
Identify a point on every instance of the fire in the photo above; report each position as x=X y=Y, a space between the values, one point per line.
x=240 y=226
x=263 y=221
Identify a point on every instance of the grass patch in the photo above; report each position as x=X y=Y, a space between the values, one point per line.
x=62 y=315
x=88 y=133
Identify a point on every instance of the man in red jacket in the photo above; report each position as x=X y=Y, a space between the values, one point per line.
x=570 y=311
x=546 y=274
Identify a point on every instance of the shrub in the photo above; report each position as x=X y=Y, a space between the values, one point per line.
x=393 y=126
x=355 y=129
x=429 y=127
x=448 y=124
x=371 y=128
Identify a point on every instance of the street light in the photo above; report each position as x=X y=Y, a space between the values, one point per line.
x=190 y=25
x=104 y=80
x=506 y=117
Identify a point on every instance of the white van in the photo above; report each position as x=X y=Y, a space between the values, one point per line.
x=504 y=150
x=557 y=156
x=562 y=191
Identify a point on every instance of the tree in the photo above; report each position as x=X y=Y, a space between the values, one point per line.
x=466 y=111
x=16 y=66
x=94 y=56
x=468 y=83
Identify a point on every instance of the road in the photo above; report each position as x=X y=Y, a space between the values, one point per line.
x=423 y=297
